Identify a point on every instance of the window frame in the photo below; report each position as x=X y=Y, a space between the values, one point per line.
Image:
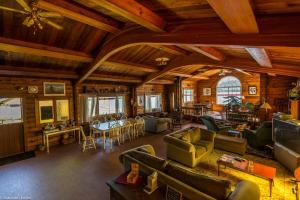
x=148 y=108
x=184 y=95
x=228 y=89
x=116 y=107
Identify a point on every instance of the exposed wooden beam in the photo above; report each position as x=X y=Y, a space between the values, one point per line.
x=17 y=46
x=115 y=78
x=231 y=62
x=175 y=64
x=239 y=18
x=130 y=66
x=140 y=36
x=170 y=49
x=34 y=72
x=135 y=12
x=140 y=67
x=207 y=51
x=179 y=74
x=260 y=56
x=161 y=82
x=79 y=14
x=237 y=15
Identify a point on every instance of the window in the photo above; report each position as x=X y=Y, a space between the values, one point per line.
x=111 y=105
x=10 y=110
x=228 y=86
x=187 y=95
x=153 y=102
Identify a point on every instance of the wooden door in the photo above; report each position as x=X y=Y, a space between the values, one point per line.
x=11 y=139
x=11 y=126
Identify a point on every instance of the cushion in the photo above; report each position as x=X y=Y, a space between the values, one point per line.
x=195 y=135
x=177 y=135
x=200 y=150
x=217 y=188
x=207 y=144
x=186 y=137
x=152 y=161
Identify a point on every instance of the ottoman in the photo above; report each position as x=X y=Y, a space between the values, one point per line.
x=231 y=144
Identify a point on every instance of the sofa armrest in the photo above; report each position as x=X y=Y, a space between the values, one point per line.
x=179 y=143
x=147 y=148
x=245 y=190
x=249 y=131
x=207 y=135
x=225 y=128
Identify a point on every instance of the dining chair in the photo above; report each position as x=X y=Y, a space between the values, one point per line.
x=126 y=131
x=87 y=137
x=95 y=132
x=114 y=134
x=139 y=127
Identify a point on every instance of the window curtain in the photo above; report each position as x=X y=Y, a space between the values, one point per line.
x=89 y=107
x=153 y=103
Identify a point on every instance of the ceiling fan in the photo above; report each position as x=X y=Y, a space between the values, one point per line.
x=35 y=16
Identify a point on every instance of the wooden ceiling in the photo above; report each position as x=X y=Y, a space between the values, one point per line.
x=112 y=40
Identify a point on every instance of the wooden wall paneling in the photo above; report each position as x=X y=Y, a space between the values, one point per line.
x=245 y=81
x=191 y=85
x=152 y=89
x=32 y=131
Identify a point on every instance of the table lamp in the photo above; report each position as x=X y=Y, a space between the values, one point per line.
x=266 y=106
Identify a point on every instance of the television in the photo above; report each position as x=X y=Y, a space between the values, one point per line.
x=287 y=134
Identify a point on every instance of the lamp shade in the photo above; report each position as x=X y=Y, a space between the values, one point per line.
x=266 y=106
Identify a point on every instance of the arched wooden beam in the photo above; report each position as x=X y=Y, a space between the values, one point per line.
x=138 y=36
x=230 y=62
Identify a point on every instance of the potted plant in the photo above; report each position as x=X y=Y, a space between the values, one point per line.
x=232 y=103
x=294 y=94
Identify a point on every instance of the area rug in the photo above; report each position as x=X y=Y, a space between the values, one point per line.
x=282 y=189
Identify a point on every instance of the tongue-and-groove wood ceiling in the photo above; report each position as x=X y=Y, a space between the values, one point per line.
x=114 y=40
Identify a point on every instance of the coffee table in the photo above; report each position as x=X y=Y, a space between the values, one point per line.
x=249 y=167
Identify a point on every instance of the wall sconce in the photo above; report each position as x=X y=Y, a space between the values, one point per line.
x=20 y=88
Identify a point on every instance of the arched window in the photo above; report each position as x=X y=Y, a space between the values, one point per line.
x=228 y=86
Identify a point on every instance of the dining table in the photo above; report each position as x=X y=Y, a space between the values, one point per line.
x=104 y=127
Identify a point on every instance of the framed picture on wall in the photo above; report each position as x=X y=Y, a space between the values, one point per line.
x=46 y=111
x=62 y=110
x=140 y=100
x=206 y=91
x=54 y=89
x=252 y=90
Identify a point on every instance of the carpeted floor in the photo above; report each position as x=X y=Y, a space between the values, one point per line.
x=282 y=190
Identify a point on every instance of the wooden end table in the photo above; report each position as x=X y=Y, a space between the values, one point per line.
x=249 y=167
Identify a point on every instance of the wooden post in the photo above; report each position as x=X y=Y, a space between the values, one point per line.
x=295 y=109
x=178 y=93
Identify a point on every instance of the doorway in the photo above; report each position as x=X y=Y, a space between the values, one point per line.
x=11 y=126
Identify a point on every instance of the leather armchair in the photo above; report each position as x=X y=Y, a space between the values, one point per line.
x=260 y=137
x=211 y=125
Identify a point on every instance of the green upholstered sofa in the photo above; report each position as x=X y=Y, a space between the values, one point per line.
x=212 y=125
x=193 y=186
x=231 y=144
x=260 y=137
x=189 y=146
x=156 y=124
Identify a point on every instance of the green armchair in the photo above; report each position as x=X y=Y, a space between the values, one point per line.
x=260 y=137
x=211 y=125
